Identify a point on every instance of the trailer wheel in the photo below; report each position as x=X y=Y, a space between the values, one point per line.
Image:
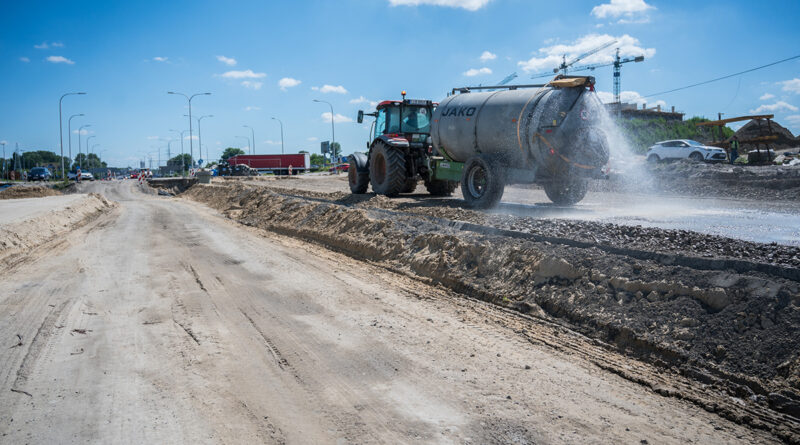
x=438 y=187
x=387 y=170
x=566 y=193
x=482 y=183
x=357 y=176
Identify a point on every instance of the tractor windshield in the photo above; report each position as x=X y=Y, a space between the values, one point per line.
x=415 y=120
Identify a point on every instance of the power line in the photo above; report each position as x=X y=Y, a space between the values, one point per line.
x=724 y=77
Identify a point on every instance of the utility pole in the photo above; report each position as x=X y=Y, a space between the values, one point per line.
x=80 y=160
x=4 y=159
x=69 y=136
x=183 y=161
x=333 y=134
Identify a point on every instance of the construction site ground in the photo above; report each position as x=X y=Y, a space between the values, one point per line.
x=289 y=311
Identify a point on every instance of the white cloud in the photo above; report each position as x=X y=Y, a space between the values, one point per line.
x=160 y=59
x=766 y=96
x=486 y=56
x=42 y=45
x=246 y=74
x=313 y=139
x=251 y=108
x=153 y=138
x=777 y=106
x=57 y=45
x=469 y=5
x=338 y=118
x=363 y=100
x=330 y=89
x=192 y=137
x=792 y=86
x=60 y=59
x=794 y=120
x=630 y=97
x=550 y=57
x=230 y=61
x=288 y=82
x=82 y=132
x=271 y=142
x=24 y=59
x=627 y=11
x=252 y=84
x=477 y=71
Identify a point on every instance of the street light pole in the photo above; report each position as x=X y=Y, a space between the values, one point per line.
x=4 y=158
x=189 y=98
x=279 y=121
x=69 y=136
x=199 y=138
x=87 y=147
x=61 y=133
x=333 y=134
x=253 y=147
x=80 y=161
x=183 y=161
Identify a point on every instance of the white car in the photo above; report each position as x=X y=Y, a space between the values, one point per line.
x=85 y=176
x=685 y=149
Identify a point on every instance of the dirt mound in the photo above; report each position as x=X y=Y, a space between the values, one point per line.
x=19 y=192
x=738 y=331
x=758 y=127
x=23 y=235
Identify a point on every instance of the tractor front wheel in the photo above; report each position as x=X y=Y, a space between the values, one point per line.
x=387 y=170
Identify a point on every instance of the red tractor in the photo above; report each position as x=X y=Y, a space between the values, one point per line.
x=400 y=152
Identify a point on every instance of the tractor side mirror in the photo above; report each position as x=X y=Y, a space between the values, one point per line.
x=360 y=116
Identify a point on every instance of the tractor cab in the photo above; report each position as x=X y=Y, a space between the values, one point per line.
x=408 y=119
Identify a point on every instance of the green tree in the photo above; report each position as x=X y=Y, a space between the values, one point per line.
x=184 y=159
x=337 y=149
x=231 y=151
x=317 y=159
x=88 y=161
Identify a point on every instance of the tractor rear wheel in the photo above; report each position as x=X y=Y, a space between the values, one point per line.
x=387 y=170
x=566 y=192
x=482 y=182
x=438 y=187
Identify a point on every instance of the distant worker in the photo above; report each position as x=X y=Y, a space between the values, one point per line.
x=734 y=149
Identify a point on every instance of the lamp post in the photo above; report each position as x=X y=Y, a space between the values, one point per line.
x=80 y=163
x=245 y=138
x=4 y=158
x=333 y=134
x=87 y=147
x=189 y=98
x=61 y=133
x=252 y=147
x=183 y=161
x=279 y=121
x=199 y=134
x=69 y=135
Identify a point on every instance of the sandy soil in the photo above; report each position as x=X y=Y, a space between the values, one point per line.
x=27 y=191
x=165 y=322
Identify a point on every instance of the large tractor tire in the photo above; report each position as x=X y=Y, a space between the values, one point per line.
x=387 y=170
x=357 y=174
x=439 y=187
x=567 y=192
x=411 y=185
x=482 y=182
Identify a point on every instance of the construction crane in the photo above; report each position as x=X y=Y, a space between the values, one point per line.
x=564 y=66
x=506 y=80
x=617 y=64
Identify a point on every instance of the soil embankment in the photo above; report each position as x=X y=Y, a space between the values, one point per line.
x=19 y=192
x=730 y=330
x=43 y=226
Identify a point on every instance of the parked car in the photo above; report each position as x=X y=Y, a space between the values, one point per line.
x=39 y=174
x=85 y=176
x=685 y=149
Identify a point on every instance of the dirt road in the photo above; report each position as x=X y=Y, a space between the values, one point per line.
x=164 y=322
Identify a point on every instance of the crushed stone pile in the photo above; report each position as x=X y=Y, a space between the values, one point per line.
x=19 y=192
x=736 y=331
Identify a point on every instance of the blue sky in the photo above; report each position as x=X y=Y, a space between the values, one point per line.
x=127 y=55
